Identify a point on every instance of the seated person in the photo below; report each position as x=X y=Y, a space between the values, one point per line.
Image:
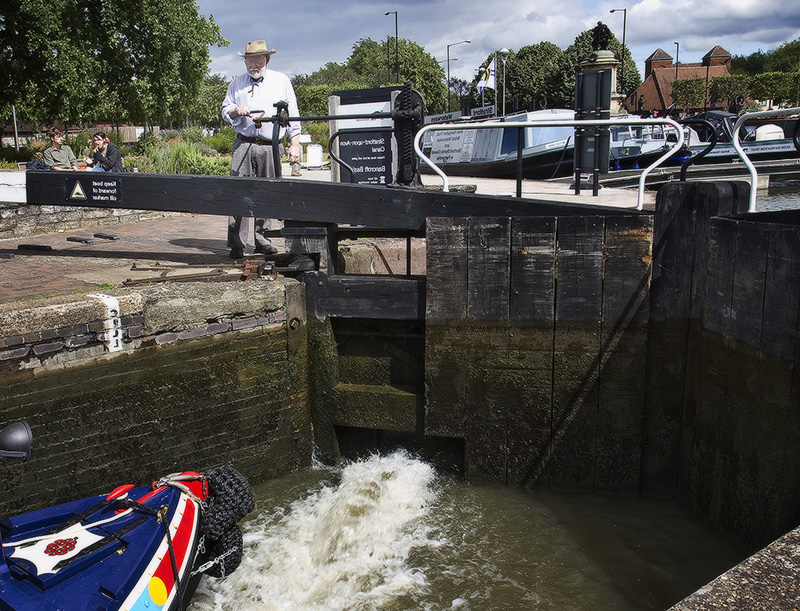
x=59 y=156
x=106 y=157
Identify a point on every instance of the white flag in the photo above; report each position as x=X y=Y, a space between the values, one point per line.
x=487 y=77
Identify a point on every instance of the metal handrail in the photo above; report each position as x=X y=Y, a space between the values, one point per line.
x=555 y=123
x=743 y=156
x=710 y=147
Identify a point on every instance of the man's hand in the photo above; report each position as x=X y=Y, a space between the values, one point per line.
x=294 y=153
x=239 y=111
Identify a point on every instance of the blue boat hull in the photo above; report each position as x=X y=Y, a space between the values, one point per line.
x=133 y=550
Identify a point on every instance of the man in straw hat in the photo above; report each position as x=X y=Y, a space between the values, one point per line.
x=258 y=89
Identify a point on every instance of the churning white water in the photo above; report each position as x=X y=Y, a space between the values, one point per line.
x=343 y=546
x=388 y=533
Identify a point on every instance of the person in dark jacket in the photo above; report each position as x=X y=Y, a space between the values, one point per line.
x=107 y=157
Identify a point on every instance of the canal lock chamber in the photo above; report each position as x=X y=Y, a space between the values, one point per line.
x=621 y=362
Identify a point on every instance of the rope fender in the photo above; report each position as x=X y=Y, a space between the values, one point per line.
x=230 y=499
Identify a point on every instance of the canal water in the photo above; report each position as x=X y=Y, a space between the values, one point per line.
x=390 y=533
x=783 y=193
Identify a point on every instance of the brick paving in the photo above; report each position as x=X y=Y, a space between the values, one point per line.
x=74 y=267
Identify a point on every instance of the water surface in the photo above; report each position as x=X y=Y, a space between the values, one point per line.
x=390 y=533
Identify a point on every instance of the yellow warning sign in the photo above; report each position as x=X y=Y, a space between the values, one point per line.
x=77 y=191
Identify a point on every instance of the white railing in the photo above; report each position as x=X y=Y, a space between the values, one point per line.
x=556 y=123
x=765 y=114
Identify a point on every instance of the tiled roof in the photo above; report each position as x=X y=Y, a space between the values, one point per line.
x=659 y=54
x=657 y=87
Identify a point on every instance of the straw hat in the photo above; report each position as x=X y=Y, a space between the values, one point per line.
x=257 y=47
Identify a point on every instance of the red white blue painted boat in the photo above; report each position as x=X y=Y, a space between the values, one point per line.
x=134 y=549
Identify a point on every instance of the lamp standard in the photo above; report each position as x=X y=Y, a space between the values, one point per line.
x=622 y=66
x=677 y=54
x=504 y=55
x=396 y=60
x=452 y=44
x=481 y=72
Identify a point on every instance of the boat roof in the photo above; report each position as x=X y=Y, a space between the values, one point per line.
x=554 y=114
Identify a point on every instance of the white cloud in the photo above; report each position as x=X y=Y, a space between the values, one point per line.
x=311 y=33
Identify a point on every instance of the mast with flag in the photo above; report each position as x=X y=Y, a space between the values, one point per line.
x=487 y=77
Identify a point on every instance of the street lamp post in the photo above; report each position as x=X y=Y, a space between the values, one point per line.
x=482 y=71
x=622 y=66
x=504 y=55
x=677 y=55
x=452 y=44
x=396 y=60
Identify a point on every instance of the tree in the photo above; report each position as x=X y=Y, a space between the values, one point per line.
x=533 y=76
x=458 y=91
x=543 y=75
x=368 y=66
x=332 y=74
x=84 y=60
x=784 y=58
x=727 y=88
x=774 y=75
x=689 y=92
x=748 y=64
x=206 y=107
x=780 y=87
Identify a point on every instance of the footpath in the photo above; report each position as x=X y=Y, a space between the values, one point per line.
x=53 y=264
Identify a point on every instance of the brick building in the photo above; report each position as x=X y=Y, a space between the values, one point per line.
x=655 y=93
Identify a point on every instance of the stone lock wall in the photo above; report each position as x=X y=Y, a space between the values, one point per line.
x=206 y=374
x=19 y=218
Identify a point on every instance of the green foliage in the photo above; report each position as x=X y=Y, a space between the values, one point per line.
x=725 y=88
x=689 y=92
x=222 y=140
x=146 y=140
x=782 y=59
x=336 y=75
x=781 y=87
x=81 y=142
x=9 y=156
x=78 y=61
x=320 y=133
x=313 y=99
x=544 y=74
x=748 y=64
x=533 y=76
x=206 y=108
x=371 y=64
x=774 y=74
x=193 y=134
x=181 y=157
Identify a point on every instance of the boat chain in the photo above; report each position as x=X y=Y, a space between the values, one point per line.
x=161 y=515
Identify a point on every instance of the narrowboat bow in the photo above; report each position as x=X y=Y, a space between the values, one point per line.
x=134 y=549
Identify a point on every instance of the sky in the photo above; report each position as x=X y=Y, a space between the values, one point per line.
x=310 y=33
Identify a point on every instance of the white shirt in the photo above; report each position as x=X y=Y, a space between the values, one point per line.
x=276 y=87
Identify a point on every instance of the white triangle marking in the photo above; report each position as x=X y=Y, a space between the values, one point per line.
x=77 y=192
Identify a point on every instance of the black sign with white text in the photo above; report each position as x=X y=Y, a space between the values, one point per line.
x=94 y=187
x=369 y=153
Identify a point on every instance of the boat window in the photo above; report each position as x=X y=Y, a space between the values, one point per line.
x=509 y=144
x=621 y=133
x=543 y=135
x=534 y=136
